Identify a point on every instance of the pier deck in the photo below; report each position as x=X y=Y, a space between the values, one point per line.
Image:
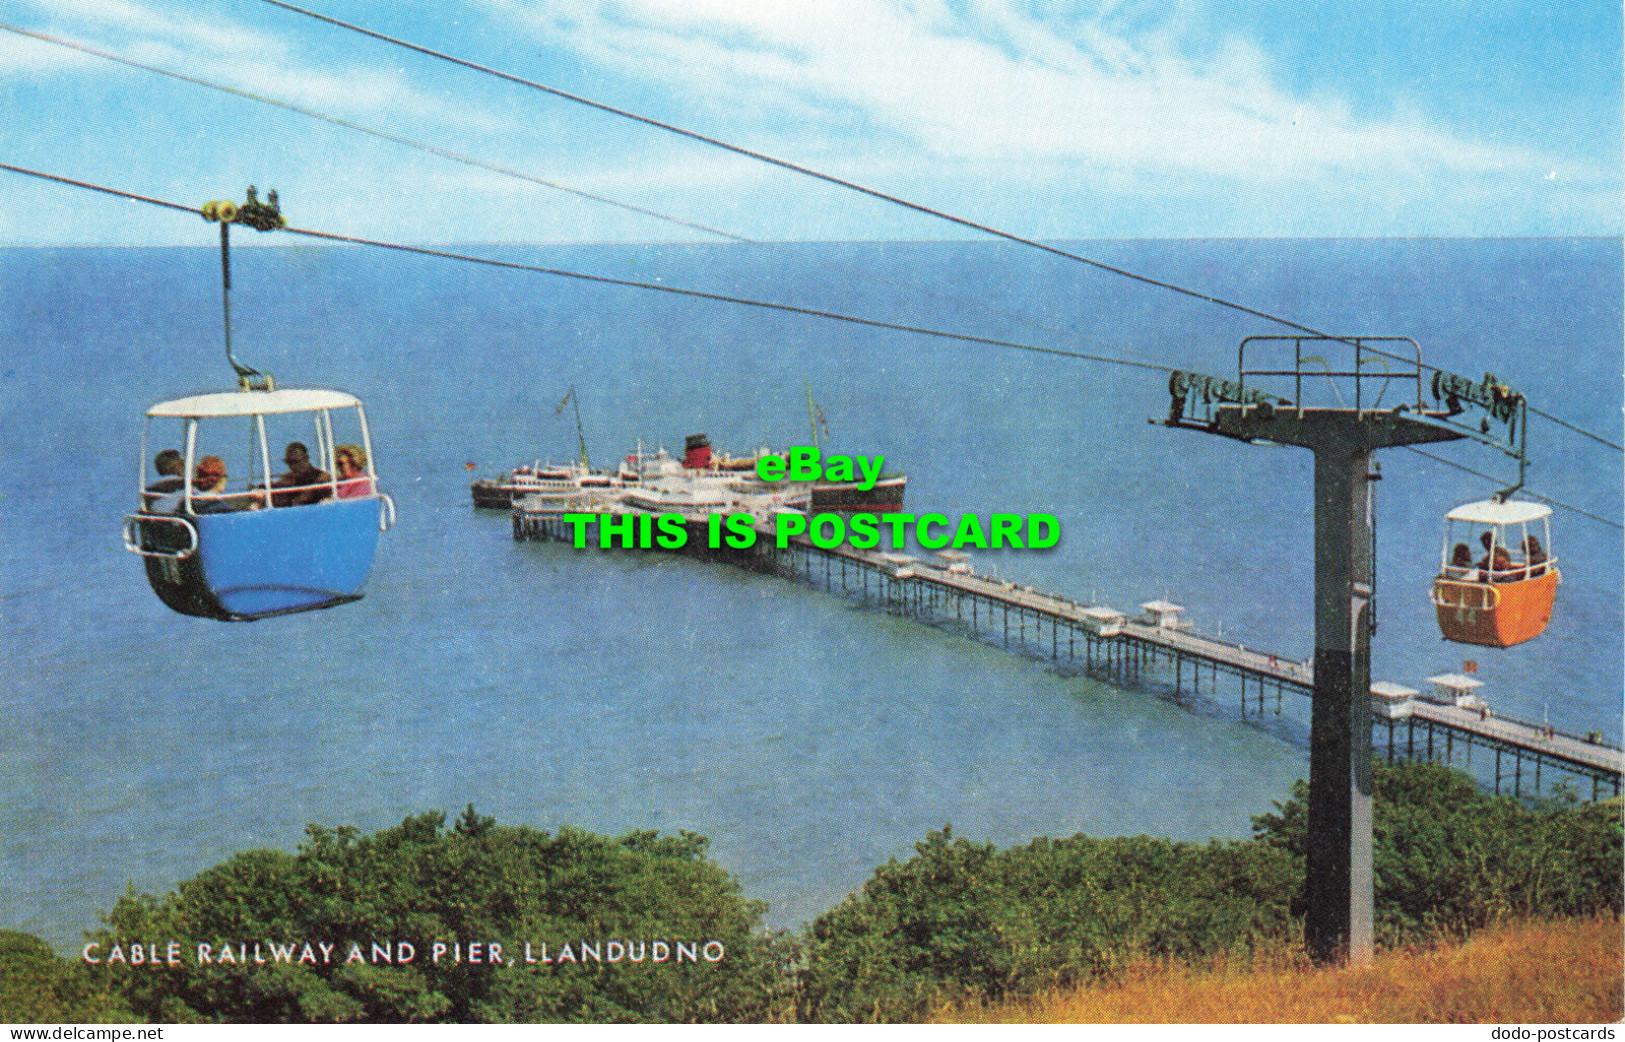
x=1105 y=642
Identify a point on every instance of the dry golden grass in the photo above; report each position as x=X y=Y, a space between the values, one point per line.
x=1561 y=972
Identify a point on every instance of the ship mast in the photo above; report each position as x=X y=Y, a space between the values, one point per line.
x=581 y=437
x=812 y=414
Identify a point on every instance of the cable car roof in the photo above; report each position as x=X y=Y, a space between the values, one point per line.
x=252 y=403
x=1489 y=512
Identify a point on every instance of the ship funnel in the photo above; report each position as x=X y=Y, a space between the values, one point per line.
x=697 y=452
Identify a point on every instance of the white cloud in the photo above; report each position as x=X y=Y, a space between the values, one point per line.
x=19 y=54
x=988 y=80
x=1131 y=119
x=715 y=173
x=198 y=34
x=219 y=50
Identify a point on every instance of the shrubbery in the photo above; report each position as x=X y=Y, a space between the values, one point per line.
x=1450 y=858
x=37 y=986
x=960 y=920
x=420 y=882
x=957 y=921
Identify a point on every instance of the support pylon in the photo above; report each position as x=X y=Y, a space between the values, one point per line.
x=1338 y=924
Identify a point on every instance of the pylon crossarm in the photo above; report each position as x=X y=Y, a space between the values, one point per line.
x=1193 y=396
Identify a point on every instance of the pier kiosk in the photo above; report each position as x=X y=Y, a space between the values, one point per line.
x=1257 y=408
x=1392 y=701
x=1164 y=615
x=1454 y=689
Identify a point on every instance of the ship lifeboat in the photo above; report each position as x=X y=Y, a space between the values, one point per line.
x=223 y=538
x=1497 y=577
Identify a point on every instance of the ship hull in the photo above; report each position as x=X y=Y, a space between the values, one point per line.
x=843 y=498
x=492 y=495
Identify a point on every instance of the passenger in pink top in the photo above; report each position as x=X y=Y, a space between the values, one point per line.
x=351 y=461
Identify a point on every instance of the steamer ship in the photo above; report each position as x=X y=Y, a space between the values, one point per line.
x=500 y=493
x=698 y=476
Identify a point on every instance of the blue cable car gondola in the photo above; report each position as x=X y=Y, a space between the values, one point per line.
x=259 y=546
x=263 y=545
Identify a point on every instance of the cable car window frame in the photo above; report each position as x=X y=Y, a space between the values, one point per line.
x=326 y=444
x=191 y=463
x=265 y=452
x=1520 y=568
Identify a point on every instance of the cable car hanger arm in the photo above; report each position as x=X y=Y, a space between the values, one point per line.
x=262 y=217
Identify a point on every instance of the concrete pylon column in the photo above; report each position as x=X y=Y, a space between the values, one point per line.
x=1338 y=923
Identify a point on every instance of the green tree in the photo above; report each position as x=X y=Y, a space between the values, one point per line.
x=39 y=987
x=960 y=920
x=477 y=882
x=1448 y=857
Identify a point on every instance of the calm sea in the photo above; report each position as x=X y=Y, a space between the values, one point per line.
x=809 y=738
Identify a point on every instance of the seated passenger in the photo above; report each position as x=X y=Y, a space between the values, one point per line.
x=164 y=495
x=305 y=483
x=1496 y=564
x=209 y=495
x=1461 y=564
x=1534 y=556
x=351 y=461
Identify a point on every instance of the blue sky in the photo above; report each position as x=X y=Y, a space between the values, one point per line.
x=1052 y=119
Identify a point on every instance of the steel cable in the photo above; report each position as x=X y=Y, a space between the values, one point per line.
x=501 y=170
x=718 y=297
x=871 y=192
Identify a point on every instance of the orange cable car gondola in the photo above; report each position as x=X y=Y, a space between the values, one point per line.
x=1505 y=596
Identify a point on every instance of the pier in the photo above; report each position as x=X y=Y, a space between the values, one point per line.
x=1420 y=729
x=1106 y=644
